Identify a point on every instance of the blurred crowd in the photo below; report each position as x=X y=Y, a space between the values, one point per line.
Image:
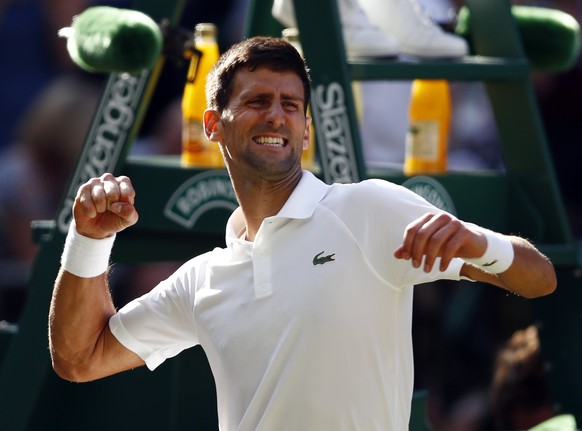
x=47 y=103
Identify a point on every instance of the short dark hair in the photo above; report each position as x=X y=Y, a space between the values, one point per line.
x=519 y=382
x=260 y=51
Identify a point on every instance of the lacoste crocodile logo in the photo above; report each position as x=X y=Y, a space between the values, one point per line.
x=320 y=260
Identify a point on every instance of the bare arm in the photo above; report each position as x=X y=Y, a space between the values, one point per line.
x=531 y=274
x=81 y=344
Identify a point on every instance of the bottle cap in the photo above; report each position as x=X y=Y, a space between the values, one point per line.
x=290 y=34
x=205 y=29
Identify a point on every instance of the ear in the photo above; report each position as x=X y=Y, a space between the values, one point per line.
x=306 y=136
x=212 y=127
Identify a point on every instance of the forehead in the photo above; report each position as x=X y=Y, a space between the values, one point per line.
x=264 y=80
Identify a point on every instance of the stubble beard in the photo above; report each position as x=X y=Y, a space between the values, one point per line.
x=273 y=167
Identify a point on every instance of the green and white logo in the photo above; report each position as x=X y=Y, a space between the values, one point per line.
x=201 y=193
x=433 y=191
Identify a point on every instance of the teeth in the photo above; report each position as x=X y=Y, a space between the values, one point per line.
x=267 y=140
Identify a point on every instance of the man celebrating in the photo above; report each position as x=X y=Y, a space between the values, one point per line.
x=305 y=316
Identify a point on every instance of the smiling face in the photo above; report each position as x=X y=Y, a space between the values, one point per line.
x=263 y=129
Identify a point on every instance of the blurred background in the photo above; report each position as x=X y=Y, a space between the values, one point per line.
x=47 y=103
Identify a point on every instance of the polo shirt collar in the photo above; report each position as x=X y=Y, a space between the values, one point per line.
x=301 y=204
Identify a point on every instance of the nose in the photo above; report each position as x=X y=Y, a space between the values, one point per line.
x=275 y=114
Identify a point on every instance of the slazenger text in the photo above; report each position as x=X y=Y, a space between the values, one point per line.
x=333 y=131
x=115 y=116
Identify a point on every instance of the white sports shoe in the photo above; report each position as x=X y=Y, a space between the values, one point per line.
x=284 y=12
x=362 y=39
x=417 y=35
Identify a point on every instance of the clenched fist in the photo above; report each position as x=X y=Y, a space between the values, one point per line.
x=104 y=206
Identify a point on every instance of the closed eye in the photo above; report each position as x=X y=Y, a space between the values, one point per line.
x=258 y=103
x=291 y=105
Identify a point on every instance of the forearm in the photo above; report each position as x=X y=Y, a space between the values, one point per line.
x=81 y=344
x=530 y=275
x=79 y=314
x=509 y=262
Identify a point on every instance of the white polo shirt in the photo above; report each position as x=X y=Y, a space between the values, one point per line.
x=307 y=328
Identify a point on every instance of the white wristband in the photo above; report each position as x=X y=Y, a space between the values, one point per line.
x=85 y=257
x=498 y=256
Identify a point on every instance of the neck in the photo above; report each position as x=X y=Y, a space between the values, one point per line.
x=262 y=198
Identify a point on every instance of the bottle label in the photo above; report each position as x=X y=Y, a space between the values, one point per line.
x=422 y=140
x=197 y=149
x=194 y=138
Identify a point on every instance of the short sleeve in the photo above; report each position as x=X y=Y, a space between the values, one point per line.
x=161 y=323
x=377 y=213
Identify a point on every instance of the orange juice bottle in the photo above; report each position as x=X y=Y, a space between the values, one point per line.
x=291 y=35
x=197 y=150
x=428 y=131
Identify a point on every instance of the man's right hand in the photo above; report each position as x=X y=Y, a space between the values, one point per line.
x=81 y=344
x=104 y=206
